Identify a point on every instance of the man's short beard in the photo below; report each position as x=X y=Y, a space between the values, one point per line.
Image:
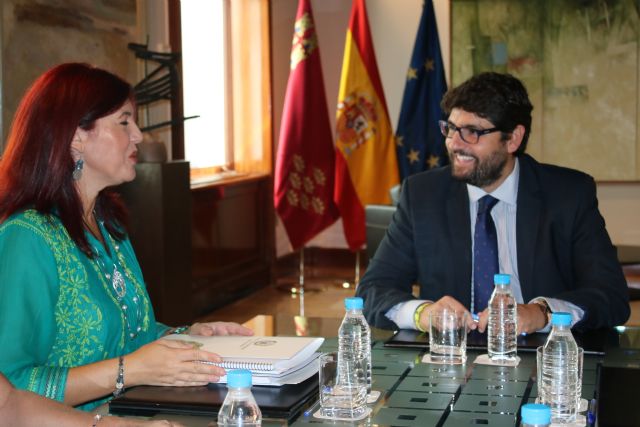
x=485 y=173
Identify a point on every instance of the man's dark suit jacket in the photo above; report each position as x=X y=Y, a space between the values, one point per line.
x=564 y=250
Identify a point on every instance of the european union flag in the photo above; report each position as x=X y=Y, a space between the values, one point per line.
x=419 y=142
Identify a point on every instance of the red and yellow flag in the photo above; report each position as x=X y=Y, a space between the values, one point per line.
x=366 y=166
x=304 y=175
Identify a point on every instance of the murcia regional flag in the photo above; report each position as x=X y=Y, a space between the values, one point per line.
x=304 y=176
x=366 y=166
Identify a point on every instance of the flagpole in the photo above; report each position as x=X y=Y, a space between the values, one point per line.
x=301 y=277
x=300 y=321
x=356 y=278
x=356 y=281
x=301 y=302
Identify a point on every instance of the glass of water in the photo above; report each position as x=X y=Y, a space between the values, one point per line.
x=343 y=390
x=448 y=336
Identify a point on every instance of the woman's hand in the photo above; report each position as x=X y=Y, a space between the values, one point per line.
x=171 y=363
x=219 y=328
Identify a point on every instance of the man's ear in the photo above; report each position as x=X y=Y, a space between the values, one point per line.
x=77 y=144
x=514 y=141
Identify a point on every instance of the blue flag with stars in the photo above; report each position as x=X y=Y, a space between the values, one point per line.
x=419 y=142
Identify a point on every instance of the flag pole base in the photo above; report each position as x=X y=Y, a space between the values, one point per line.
x=294 y=288
x=346 y=285
x=356 y=279
x=299 y=287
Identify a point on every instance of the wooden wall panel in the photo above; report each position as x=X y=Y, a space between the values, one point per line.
x=230 y=242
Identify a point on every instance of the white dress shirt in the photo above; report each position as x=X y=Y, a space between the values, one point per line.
x=504 y=218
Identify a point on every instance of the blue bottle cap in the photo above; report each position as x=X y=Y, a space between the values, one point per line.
x=239 y=378
x=561 y=319
x=535 y=413
x=353 y=303
x=501 y=279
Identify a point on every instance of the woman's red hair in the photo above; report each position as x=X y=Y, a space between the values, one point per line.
x=36 y=168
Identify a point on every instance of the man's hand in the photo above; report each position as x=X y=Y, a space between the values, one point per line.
x=530 y=319
x=448 y=303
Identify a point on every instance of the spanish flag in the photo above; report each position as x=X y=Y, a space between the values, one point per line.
x=366 y=165
x=303 y=185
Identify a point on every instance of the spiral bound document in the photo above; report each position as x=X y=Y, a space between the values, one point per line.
x=252 y=366
x=293 y=375
x=259 y=354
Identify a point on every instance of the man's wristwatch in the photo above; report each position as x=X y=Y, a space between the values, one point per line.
x=546 y=311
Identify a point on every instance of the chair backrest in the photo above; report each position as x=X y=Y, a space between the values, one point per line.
x=394 y=193
x=377 y=219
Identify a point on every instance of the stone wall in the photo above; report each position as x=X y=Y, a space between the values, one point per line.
x=38 y=34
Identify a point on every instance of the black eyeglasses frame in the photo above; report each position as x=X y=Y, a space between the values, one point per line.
x=446 y=126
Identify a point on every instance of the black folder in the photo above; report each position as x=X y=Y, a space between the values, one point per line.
x=593 y=342
x=275 y=402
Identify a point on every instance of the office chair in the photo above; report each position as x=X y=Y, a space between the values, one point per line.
x=377 y=219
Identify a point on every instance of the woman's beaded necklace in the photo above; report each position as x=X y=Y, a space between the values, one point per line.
x=119 y=285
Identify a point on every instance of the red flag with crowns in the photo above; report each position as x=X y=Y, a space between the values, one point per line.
x=304 y=174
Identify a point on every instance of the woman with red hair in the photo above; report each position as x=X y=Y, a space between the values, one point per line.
x=76 y=320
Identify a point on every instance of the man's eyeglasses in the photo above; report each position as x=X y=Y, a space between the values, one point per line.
x=467 y=134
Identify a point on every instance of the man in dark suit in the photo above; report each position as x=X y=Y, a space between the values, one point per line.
x=550 y=235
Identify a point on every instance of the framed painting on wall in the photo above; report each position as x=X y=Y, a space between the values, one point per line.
x=579 y=61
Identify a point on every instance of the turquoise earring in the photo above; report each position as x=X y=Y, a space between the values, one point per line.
x=77 y=170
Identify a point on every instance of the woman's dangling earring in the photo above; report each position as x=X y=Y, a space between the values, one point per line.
x=77 y=170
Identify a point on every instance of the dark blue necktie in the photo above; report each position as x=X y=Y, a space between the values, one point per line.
x=485 y=254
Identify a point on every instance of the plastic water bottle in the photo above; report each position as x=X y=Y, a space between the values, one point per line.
x=239 y=407
x=560 y=386
x=354 y=344
x=503 y=321
x=535 y=415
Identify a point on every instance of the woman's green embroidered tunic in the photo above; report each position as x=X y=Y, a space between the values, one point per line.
x=58 y=307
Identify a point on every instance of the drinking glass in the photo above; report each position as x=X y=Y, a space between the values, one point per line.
x=343 y=392
x=448 y=336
